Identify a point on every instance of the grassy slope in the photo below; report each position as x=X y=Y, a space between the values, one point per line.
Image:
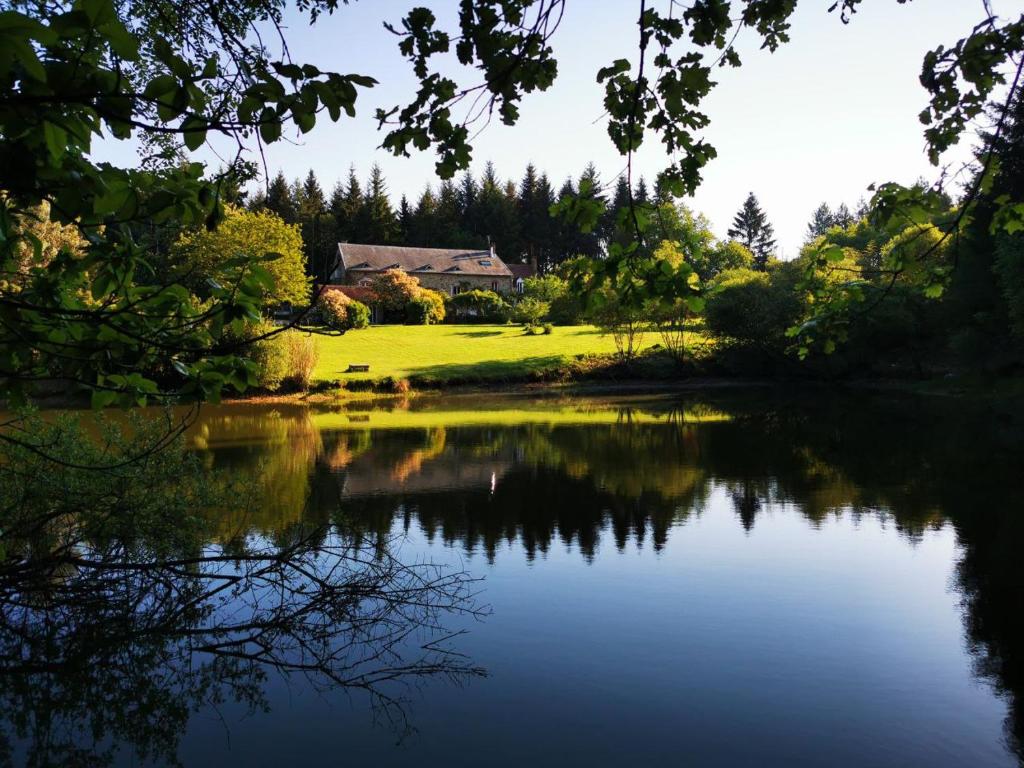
x=456 y=351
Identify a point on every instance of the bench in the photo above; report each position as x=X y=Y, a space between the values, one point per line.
x=358 y=368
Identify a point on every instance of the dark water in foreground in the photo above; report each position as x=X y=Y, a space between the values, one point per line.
x=742 y=580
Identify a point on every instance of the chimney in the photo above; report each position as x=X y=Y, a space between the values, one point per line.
x=490 y=246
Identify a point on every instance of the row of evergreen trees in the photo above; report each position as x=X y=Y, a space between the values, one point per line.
x=470 y=213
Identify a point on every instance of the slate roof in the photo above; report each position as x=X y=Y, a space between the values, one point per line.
x=522 y=270
x=358 y=257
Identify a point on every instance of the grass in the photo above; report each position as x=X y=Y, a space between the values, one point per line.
x=500 y=413
x=440 y=353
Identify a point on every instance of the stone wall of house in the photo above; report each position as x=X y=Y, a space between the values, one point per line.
x=445 y=282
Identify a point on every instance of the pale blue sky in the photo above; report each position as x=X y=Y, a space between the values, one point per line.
x=821 y=119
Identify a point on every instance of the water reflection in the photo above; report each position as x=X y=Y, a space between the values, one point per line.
x=132 y=598
x=539 y=475
x=304 y=571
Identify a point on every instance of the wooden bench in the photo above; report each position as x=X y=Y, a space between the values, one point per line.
x=358 y=368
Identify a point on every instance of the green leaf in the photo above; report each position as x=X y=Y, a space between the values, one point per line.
x=101 y=398
x=194 y=132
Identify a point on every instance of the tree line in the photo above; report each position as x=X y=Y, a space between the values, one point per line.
x=515 y=217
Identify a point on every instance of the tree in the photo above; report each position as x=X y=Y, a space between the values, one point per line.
x=248 y=237
x=423 y=227
x=534 y=203
x=843 y=218
x=724 y=255
x=347 y=207
x=318 y=234
x=281 y=199
x=394 y=289
x=495 y=216
x=821 y=221
x=177 y=77
x=405 y=223
x=381 y=223
x=750 y=227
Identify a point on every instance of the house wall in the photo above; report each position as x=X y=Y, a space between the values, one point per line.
x=443 y=282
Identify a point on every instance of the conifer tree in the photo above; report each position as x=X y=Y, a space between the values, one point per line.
x=448 y=227
x=843 y=217
x=527 y=204
x=620 y=201
x=316 y=227
x=404 y=221
x=589 y=243
x=381 y=224
x=425 y=230
x=348 y=214
x=750 y=227
x=280 y=199
x=468 y=199
x=642 y=194
x=821 y=221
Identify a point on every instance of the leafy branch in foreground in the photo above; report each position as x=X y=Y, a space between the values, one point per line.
x=106 y=316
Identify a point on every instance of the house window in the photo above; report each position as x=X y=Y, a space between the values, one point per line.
x=456 y=290
x=519 y=285
x=366 y=282
x=494 y=285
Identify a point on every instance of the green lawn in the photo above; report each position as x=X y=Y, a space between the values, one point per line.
x=443 y=352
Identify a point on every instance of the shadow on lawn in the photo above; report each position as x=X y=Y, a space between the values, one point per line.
x=478 y=334
x=523 y=369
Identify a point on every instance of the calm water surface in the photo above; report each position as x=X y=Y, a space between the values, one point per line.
x=742 y=580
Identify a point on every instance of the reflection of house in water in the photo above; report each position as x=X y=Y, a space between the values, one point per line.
x=425 y=465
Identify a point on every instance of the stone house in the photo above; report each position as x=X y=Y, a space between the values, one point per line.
x=520 y=274
x=450 y=271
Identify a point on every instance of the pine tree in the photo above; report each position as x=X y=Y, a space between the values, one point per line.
x=336 y=207
x=349 y=216
x=641 y=194
x=750 y=227
x=620 y=202
x=590 y=188
x=448 y=227
x=316 y=227
x=842 y=217
x=381 y=225
x=495 y=219
x=566 y=240
x=424 y=230
x=821 y=221
x=544 y=222
x=280 y=199
x=527 y=210
x=467 y=197
x=404 y=221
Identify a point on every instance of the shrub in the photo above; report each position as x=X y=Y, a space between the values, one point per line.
x=548 y=328
x=395 y=289
x=342 y=313
x=479 y=306
x=754 y=308
x=530 y=311
x=302 y=355
x=624 y=322
x=269 y=355
x=358 y=315
x=564 y=307
x=425 y=308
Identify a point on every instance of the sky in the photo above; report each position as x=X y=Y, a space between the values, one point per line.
x=819 y=120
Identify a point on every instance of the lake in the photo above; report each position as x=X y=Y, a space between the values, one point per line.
x=748 y=578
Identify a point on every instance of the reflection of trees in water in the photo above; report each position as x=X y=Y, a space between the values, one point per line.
x=120 y=618
x=919 y=466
